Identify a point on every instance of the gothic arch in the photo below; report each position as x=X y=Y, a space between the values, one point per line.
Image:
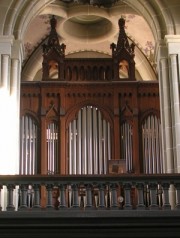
x=147 y=113
x=31 y=114
x=72 y=112
x=19 y=15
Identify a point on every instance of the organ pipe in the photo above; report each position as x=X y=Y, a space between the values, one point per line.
x=84 y=142
x=151 y=143
x=95 y=142
x=70 y=149
x=126 y=145
x=100 y=143
x=28 y=160
x=79 y=135
x=89 y=142
x=89 y=126
x=74 y=147
x=104 y=145
x=52 y=147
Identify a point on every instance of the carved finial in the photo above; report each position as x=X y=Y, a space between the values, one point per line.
x=53 y=22
x=122 y=42
x=53 y=39
x=121 y=23
x=122 y=39
x=123 y=54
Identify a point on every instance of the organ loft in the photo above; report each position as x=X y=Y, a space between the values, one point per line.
x=90 y=116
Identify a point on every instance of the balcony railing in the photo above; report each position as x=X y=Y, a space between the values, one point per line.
x=109 y=192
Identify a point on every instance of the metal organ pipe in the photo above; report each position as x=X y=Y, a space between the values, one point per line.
x=104 y=146
x=100 y=158
x=89 y=142
x=95 y=141
x=74 y=147
x=79 y=144
x=70 y=148
x=28 y=160
x=84 y=142
x=89 y=128
x=52 y=147
x=152 y=148
x=22 y=134
x=126 y=145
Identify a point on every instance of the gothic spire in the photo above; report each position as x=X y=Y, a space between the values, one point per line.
x=53 y=39
x=122 y=42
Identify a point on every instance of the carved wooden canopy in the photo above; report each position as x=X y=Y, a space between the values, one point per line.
x=120 y=67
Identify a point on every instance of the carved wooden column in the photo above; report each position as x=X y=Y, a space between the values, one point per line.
x=36 y=188
x=116 y=140
x=177 y=186
x=101 y=196
x=0 y=197
x=49 y=188
x=166 y=204
x=127 y=192
x=135 y=131
x=62 y=196
x=63 y=138
x=114 y=203
x=153 y=196
x=140 y=189
x=88 y=196
x=10 y=190
x=75 y=203
x=23 y=196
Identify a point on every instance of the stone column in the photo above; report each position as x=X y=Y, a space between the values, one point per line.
x=11 y=56
x=173 y=45
x=167 y=112
x=10 y=64
x=166 y=120
x=165 y=108
x=175 y=108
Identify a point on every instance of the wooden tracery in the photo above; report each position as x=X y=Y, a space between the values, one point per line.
x=92 y=82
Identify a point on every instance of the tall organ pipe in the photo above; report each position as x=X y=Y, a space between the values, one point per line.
x=152 y=147
x=28 y=134
x=126 y=145
x=90 y=135
x=52 y=147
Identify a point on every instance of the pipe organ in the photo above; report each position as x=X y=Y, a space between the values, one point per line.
x=29 y=145
x=85 y=113
x=89 y=142
x=52 y=148
x=151 y=145
x=127 y=145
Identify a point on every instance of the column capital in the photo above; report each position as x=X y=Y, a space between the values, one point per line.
x=172 y=39
x=7 y=39
x=6 y=43
x=173 y=43
x=10 y=46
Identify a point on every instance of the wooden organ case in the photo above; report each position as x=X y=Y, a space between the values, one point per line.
x=89 y=115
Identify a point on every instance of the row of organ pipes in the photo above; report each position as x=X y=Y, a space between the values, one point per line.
x=28 y=146
x=89 y=142
x=52 y=148
x=152 y=148
x=127 y=146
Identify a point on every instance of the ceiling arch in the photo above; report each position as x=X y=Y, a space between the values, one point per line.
x=22 y=14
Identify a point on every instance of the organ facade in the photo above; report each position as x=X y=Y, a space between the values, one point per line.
x=90 y=116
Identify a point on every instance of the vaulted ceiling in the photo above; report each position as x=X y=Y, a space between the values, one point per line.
x=88 y=31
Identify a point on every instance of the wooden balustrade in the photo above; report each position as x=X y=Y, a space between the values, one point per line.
x=124 y=192
x=88 y=70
